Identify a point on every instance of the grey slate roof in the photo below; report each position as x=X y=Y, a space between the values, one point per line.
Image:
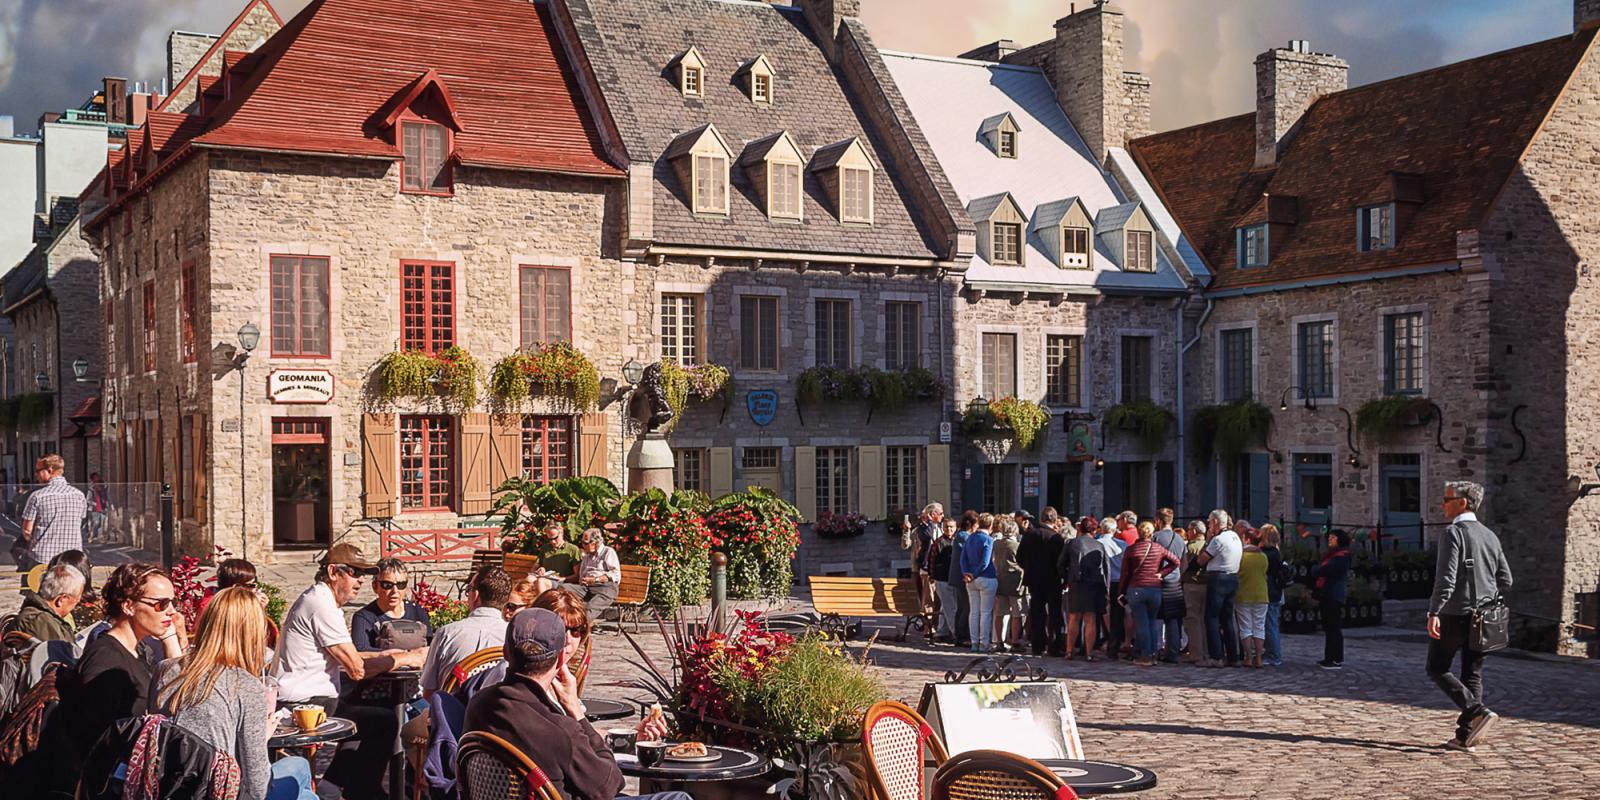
x=1113 y=218
x=981 y=208
x=630 y=43
x=992 y=124
x=1049 y=215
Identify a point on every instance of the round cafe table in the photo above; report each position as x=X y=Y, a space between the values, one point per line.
x=1100 y=777
x=600 y=709
x=667 y=775
x=335 y=729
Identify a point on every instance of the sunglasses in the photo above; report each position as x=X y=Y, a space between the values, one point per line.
x=512 y=608
x=157 y=603
x=581 y=630
x=390 y=586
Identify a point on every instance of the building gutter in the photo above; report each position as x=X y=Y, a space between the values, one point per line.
x=31 y=296
x=818 y=258
x=1080 y=290
x=1339 y=280
x=1183 y=351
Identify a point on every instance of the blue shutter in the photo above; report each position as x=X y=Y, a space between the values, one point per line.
x=1165 y=485
x=972 y=487
x=1260 y=487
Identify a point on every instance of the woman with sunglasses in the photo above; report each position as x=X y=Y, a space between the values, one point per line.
x=392 y=585
x=575 y=614
x=114 y=674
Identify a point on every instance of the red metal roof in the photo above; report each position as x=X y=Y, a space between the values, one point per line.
x=194 y=73
x=319 y=84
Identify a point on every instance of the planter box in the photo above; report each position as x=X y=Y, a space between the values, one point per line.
x=1408 y=584
x=1309 y=620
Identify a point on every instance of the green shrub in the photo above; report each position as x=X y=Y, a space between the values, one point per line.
x=1146 y=420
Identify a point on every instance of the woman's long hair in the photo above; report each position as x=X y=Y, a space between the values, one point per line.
x=232 y=633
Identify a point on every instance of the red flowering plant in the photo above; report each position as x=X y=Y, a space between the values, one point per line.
x=668 y=534
x=759 y=534
x=189 y=588
x=442 y=610
x=839 y=526
x=555 y=370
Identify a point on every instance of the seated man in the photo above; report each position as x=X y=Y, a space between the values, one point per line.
x=537 y=709
x=47 y=614
x=558 y=558
x=483 y=627
x=599 y=574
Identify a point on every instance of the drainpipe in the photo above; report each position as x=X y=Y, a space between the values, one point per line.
x=1178 y=478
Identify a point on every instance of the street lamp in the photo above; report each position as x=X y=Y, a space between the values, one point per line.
x=978 y=406
x=633 y=372
x=249 y=337
x=43 y=380
x=1283 y=399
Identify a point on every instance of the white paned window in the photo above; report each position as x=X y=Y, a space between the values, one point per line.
x=855 y=191
x=680 y=328
x=710 y=184
x=784 y=190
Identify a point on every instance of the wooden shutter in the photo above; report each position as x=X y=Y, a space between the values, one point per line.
x=380 y=460
x=197 y=441
x=592 y=455
x=805 y=482
x=869 y=481
x=475 y=481
x=721 y=477
x=1111 y=489
x=505 y=448
x=939 y=476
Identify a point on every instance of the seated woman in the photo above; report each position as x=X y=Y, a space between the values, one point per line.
x=571 y=610
x=216 y=693
x=391 y=585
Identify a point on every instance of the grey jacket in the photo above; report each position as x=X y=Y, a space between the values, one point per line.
x=1491 y=575
x=232 y=718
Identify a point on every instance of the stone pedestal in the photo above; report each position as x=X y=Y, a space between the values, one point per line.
x=650 y=464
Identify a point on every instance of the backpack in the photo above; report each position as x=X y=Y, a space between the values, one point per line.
x=21 y=733
x=153 y=758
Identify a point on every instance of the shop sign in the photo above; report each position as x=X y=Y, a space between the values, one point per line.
x=300 y=385
x=762 y=405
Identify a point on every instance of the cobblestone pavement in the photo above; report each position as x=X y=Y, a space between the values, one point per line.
x=1371 y=730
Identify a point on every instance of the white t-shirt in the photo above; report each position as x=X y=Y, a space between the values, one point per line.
x=303 y=667
x=1225 y=550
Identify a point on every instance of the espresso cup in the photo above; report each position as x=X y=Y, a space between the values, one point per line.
x=309 y=718
x=650 y=753
x=620 y=740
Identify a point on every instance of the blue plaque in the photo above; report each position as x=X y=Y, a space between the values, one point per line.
x=763 y=405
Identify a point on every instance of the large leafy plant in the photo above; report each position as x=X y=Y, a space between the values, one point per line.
x=577 y=503
x=668 y=534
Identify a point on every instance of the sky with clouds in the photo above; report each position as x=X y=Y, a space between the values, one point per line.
x=1198 y=54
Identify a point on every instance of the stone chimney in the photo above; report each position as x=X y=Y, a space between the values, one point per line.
x=824 y=17
x=993 y=51
x=184 y=51
x=1086 y=69
x=1288 y=80
x=1584 y=13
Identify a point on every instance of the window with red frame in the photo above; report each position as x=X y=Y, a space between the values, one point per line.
x=190 y=352
x=427 y=306
x=300 y=306
x=426 y=146
x=150 y=326
x=546 y=305
x=427 y=451
x=546 y=448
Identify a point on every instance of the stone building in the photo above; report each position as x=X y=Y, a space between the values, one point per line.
x=1402 y=279
x=426 y=198
x=787 y=220
x=1075 y=296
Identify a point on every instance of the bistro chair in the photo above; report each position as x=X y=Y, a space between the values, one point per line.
x=469 y=667
x=893 y=738
x=580 y=661
x=491 y=768
x=997 y=775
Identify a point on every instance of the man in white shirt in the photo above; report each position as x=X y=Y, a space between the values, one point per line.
x=599 y=574
x=483 y=627
x=1221 y=560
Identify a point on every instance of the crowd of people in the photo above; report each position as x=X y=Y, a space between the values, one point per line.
x=233 y=679
x=1209 y=593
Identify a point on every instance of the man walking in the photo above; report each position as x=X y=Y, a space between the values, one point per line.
x=52 y=518
x=1471 y=570
x=1038 y=554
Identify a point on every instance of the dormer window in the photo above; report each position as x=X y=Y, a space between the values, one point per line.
x=700 y=159
x=1140 y=252
x=773 y=165
x=425 y=168
x=847 y=174
x=1375 y=228
x=1128 y=237
x=999 y=132
x=1007 y=243
x=1000 y=228
x=1064 y=230
x=691 y=73
x=1075 y=247
x=1253 y=246
x=756 y=75
x=761 y=88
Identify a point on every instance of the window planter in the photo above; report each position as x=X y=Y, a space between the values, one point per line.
x=698 y=382
x=1146 y=420
x=1230 y=429
x=555 y=371
x=451 y=375
x=883 y=390
x=1385 y=419
x=839 y=526
x=1306 y=620
x=1021 y=421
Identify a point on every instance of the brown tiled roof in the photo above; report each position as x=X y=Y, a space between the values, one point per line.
x=1461 y=128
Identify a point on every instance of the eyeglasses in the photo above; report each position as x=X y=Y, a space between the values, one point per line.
x=390 y=586
x=580 y=631
x=157 y=603
x=512 y=608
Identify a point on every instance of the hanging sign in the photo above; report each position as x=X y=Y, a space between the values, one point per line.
x=1080 y=442
x=300 y=386
x=762 y=405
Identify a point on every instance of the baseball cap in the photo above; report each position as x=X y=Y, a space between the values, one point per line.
x=540 y=626
x=1023 y=513
x=347 y=554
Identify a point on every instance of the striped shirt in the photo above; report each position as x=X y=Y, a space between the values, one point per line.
x=57 y=510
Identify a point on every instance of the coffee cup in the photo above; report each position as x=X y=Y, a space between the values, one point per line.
x=650 y=753
x=621 y=740
x=309 y=718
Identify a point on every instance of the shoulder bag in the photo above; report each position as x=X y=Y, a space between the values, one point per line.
x=1489 y=624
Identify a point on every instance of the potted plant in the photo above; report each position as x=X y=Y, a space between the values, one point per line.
x=1383 y=419
x=1146 y=420
x=556 y=370
x=883 y=390
x=1408 y=574
x=1020 y=421
x=839 y=526
x=757 y=530
x=441 y=610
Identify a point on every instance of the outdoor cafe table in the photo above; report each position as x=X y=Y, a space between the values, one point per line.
x=1100 y=777
x=335 y=729
x=599 y=710
x=396 y=688
x=668 y=775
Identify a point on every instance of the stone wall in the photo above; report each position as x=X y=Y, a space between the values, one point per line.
x=1542 y=246
x=184 y=51
x=257 y=26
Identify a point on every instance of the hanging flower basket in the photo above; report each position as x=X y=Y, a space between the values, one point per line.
x=839 y=526
x=451 y=375
x=1146 y=420
x=698 y=382
x=555 y=371
x=883 y=390
x=1021 y=422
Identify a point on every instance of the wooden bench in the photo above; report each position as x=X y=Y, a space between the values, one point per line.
x=633 y=595
x=839 y=600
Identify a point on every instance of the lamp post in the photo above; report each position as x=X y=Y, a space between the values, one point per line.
x=249 y=337
x=632 y=373
x=42 y=380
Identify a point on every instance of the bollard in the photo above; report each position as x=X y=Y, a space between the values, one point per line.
x=719 y=591
x=166 y=527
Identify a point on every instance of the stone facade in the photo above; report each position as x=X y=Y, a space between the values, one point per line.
x=184 y=51
x=1288 y=81
x=1084 y=60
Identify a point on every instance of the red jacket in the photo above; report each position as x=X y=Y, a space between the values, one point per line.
x=1128 y=535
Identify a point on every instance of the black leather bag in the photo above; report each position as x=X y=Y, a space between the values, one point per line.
x=1489 y=627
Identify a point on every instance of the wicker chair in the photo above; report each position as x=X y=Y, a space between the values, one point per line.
x=894 y=737
x=580 y=661
x=997 y=775
x=491 y=768
x=471 y=666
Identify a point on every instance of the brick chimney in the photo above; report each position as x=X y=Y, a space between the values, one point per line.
x=1106 y=104
x=1584 y=13
x=116 y=93
x=824 y=17
x=1288 y=80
